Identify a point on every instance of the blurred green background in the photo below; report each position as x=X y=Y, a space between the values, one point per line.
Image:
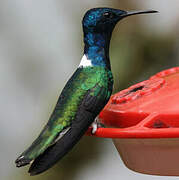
x=40 y=47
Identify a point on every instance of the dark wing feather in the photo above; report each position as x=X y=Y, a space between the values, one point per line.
x=87 y=112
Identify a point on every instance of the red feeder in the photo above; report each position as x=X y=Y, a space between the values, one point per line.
x=143 y=122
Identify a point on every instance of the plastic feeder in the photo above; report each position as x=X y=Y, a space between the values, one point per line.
x=143 y=122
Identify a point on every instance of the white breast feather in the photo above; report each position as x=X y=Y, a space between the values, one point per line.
x=85 y=62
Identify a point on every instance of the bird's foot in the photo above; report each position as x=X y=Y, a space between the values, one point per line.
x=95 y=125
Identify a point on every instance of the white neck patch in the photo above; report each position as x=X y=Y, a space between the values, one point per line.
x=85 y=62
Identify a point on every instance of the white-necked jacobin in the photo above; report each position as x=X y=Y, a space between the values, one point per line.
x=84 y=95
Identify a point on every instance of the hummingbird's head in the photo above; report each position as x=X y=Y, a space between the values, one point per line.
x=103 y=20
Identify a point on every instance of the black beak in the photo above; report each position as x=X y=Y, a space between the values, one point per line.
x=130 y=13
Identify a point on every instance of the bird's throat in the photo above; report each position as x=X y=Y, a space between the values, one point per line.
x=97 y=48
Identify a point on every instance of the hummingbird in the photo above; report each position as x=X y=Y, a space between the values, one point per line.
x=84 y=95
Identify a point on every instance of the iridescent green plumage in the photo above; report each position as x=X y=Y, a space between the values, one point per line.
x=96 y=79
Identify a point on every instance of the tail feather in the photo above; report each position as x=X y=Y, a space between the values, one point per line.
x=63 y=145
x=22 y=161
x=37 y=147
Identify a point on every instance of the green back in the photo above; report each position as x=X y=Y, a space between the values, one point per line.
x=83 y=80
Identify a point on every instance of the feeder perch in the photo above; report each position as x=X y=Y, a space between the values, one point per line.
x=143 y=122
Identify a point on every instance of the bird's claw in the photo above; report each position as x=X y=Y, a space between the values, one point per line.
x=94 y=128
x=95 y=125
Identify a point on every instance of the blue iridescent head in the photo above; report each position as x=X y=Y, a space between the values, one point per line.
x=104 y=19
x=101 y=19
x=98 y=24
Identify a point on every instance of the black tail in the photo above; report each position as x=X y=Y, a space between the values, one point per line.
x=55 y=152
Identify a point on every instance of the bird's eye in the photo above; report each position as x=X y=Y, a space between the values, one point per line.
x=108 y=15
